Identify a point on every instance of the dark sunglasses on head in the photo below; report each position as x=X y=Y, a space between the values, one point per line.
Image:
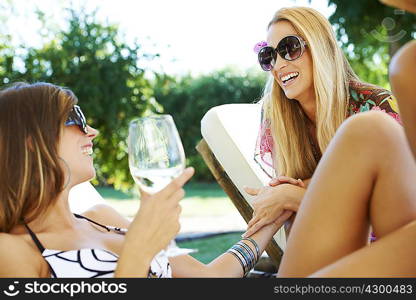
x=289 y=48
x=76 y=117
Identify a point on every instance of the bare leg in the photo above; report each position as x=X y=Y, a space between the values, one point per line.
x=391 y=256
x=402 y=72
x=365 y=176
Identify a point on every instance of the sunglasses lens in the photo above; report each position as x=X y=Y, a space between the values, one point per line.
x=81 y=117
x=76 y=117
x=267 y=58
x=290 y=48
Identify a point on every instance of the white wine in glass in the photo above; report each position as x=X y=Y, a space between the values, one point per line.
x=156 y=156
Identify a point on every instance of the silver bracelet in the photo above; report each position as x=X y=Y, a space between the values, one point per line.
x=254 y=244
x=245 y=255
x=246 y=248
x=240 y=258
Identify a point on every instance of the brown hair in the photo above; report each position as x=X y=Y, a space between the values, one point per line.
x=31 y=120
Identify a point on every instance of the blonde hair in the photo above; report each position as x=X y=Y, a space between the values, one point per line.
x=293 y=151
x=31 y=119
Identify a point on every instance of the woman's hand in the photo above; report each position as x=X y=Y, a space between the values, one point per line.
x=157 y=221
x=274 y=203
x=275 y=182
x=286 y=179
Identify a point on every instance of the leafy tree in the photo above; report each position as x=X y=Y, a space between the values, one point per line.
x=187 y=99
x=92 y=60
x=370 y=33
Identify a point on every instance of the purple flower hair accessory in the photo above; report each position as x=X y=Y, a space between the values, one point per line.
x=258 y=46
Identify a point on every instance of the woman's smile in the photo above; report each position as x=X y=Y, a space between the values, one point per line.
x=288 y=78
x=87 y=149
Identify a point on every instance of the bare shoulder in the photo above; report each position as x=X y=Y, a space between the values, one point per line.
x=18 y=258
x=10 y=244
x=107 y=215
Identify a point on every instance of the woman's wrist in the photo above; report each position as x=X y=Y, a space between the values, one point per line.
x=138 y=244
x=135 y=258
x=132 y=265
x=293 y=196
x=271 y=229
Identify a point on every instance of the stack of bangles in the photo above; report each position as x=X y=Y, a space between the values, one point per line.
x=245 y=254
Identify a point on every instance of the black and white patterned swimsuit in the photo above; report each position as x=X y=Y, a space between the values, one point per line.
x=92 y=262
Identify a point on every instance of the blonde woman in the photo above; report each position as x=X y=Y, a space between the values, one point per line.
x=311 y=91
x=377 y=188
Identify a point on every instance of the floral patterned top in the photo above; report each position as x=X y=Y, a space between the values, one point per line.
x=363 y=97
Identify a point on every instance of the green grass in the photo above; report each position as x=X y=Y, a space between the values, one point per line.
x=201 y=199
x=211 y=247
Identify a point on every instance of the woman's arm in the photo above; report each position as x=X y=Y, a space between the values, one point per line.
x=272 y=202
x=226 y=265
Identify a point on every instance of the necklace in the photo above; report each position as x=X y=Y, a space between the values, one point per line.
x=107 y=227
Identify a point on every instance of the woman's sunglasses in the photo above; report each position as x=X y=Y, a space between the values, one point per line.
x=76 y=117
x=289 y=48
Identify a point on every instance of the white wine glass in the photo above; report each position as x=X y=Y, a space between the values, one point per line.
x=156 y=156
